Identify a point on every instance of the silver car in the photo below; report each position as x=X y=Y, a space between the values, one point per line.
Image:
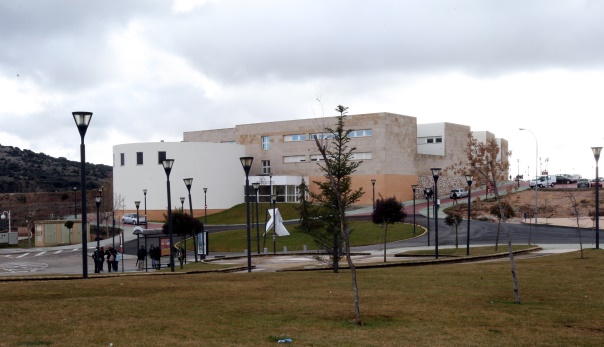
x=131 y=218
x=583 y=183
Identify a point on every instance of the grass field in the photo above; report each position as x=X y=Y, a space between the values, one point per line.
x=437 y=305
x=363 y=233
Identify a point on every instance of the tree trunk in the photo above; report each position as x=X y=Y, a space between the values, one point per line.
x=385 y=238
x=497 y=237
x=335 y=254
x=509 y=238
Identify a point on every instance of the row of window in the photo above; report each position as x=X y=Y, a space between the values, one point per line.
x=161 y=156
x=432 y=139
x=266 y=140
x=318 y=157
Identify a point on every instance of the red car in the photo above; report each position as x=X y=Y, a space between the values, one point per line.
x=592 y=183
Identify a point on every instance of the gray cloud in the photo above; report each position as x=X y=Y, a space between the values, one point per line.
x=149 y=74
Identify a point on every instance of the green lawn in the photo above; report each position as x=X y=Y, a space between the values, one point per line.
x=363 y=233
x=469 y=304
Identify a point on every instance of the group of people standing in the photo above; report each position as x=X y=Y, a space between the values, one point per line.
x=154 y=253
x=111 y=256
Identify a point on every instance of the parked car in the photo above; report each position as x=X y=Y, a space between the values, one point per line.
x=564 y=179
x=131 y=218
x=592 y=183
x=583 y=183
x=458 y=193
x=543 y=181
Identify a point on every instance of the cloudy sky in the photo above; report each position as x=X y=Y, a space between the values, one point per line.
x=151 y=69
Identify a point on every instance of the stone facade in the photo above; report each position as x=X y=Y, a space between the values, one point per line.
x=386 y=142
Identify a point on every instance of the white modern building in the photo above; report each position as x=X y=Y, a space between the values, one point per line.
x=215 y=166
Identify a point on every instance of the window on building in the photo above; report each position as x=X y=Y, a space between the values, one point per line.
x=294 y=159
x=266 y=143
x=431 y=139
x=122 y=159
x=361 y=156
x=316 y=157
x=360 y=133
x=321 y=136
x=266 y=167
x=294 y=137
x=139 y=158
x=161 y=156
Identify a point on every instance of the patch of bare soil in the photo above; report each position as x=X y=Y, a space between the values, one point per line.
x=553 y=203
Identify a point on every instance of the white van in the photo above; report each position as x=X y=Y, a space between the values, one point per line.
x=544 y=181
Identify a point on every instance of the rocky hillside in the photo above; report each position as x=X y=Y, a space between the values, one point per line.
x=23 y=171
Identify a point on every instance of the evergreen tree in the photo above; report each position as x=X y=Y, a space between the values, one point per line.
x=336 y=193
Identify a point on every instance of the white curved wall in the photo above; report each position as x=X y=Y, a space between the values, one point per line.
x=215 y=166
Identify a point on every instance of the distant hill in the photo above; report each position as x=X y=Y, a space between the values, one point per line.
x=23 y=171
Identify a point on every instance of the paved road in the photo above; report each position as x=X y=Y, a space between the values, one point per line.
x=68 y=259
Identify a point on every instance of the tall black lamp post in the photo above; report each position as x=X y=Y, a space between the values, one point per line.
x=182 y=204
x=373 y=195
x=428 y=195
x=414 y=187
x=256 y=186
x=518 y=175
x=188 y=184
x=274 y=198
x=246 y=162
x=205 y=207
x=82 y=119
x=167 y=164
x=137 y=204
x=536 y=175
x=469 y=179
x=145 y=193
x=596 y=151
x=435 y=173
x=75 y=207
x=97 y=201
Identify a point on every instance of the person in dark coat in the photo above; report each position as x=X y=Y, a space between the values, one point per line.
x=140 y=257
x=101 y=259
x=95 y=258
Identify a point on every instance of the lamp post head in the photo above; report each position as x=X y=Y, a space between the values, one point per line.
x=246 y=162
x=414 y=187
x=137 y=204
x=274 y=197
x=256 y=185
x=205 y=190
x=188 y=183
x=182 y=199
x=145 y=191
x=435 y=172
x=428 y=192
x=97 y=200
x=75 y=188
x=373 y=182
x=596 y=151
x=101 y=191
x=469 y=180
x=167 y=164
x=82 y=119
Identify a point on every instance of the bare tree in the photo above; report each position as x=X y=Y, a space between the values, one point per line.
x=574 y=206
x=508 y=212
x=483 y=163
